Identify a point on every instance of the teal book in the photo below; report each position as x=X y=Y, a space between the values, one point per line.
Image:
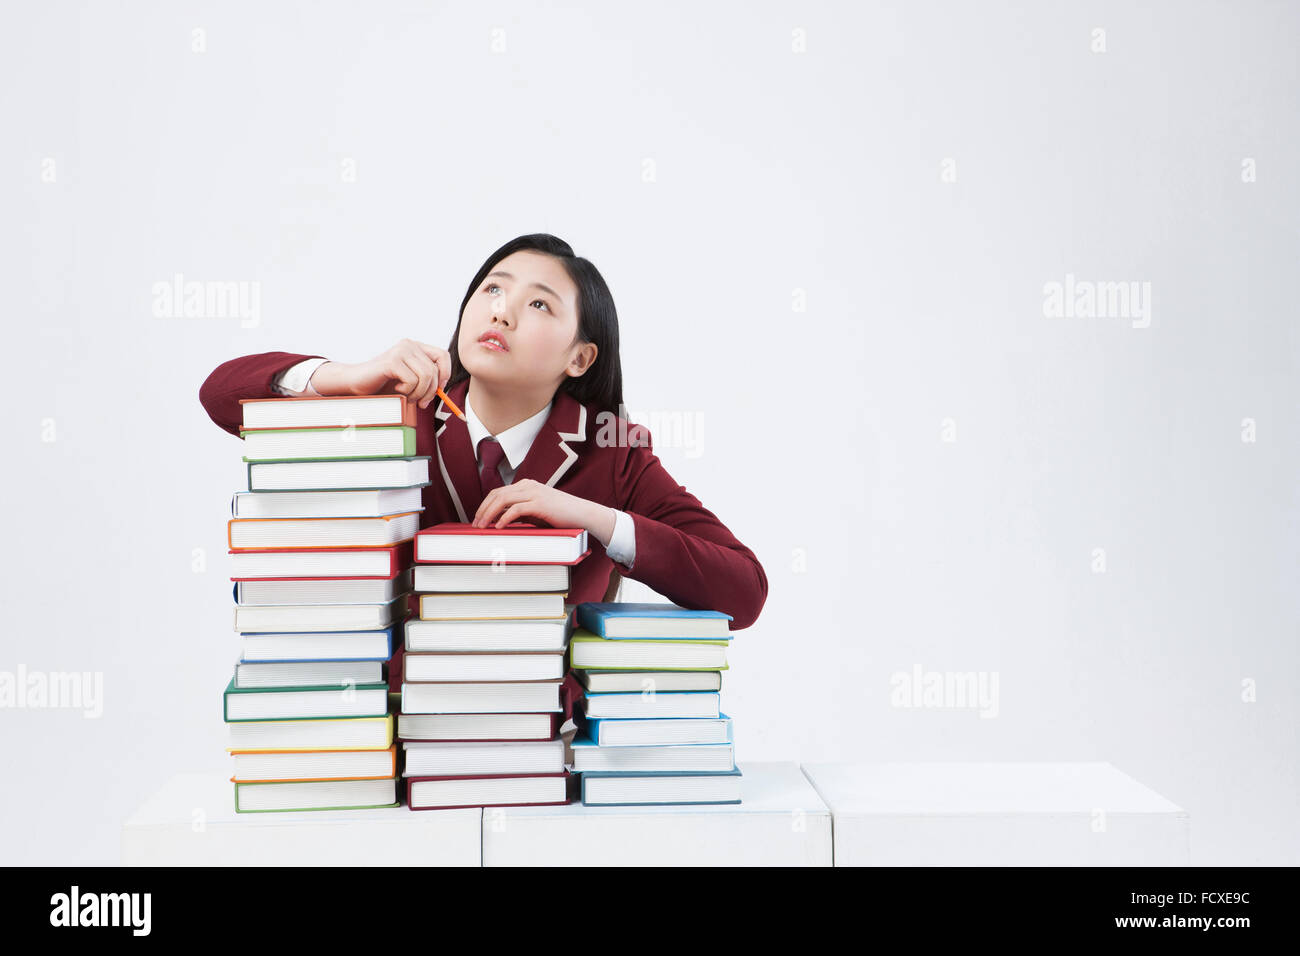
x=325 y=444
x=300 y=703
x=658 y=788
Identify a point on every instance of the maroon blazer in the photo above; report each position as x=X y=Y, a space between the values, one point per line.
x=682 y=550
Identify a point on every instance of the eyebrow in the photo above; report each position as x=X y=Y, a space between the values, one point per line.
x=536 y=285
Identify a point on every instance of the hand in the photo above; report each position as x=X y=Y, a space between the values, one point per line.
x=530 y=498
x=408 y=368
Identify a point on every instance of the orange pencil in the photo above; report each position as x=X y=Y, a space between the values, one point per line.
x=452 y=405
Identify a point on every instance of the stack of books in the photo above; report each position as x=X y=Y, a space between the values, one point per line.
x=653 y=730
x=484 y=691
x=321 y=546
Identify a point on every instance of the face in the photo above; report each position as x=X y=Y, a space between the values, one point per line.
x=526 y=308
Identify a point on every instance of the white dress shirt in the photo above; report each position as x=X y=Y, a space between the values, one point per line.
x=515 y=442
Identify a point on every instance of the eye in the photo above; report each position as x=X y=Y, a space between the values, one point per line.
x=492 y=285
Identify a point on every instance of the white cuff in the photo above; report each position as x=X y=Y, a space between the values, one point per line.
x=622 y=543
x=296 y=380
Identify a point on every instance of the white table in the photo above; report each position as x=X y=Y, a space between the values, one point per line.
x=780 y=821
x=999 y=814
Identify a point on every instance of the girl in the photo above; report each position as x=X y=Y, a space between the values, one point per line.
x=534 y=365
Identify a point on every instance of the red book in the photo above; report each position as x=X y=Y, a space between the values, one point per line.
x=448 y=793
x=320 y=564
x=454 y=542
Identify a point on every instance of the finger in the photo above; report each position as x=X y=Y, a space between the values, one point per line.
x=427 y=390
x=402 y=375
x=485 y=507
x=509 y=514
x=420 y=375
x=496 y=500
x=442 y=358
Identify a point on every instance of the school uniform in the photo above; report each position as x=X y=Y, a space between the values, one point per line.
x=664 y=537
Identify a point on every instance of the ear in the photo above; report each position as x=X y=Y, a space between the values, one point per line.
x=582 y=360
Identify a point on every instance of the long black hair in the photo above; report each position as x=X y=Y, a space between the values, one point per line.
x=602 y=384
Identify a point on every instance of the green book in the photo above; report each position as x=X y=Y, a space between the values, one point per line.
x=297 y=795
x=328 y=444
x=588 y=650
x=304 y=703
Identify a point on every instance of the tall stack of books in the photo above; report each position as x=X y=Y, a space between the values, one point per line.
x=321 y=546
x=484 y=692
x=653 y=730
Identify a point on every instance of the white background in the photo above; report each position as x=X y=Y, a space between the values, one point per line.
x=822 y=430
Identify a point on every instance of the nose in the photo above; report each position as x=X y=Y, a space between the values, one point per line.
x=500 y=314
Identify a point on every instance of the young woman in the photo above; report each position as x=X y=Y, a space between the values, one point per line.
x=534 y=365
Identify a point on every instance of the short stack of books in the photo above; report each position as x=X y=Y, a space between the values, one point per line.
x=482 y=680
x=653 y=730
x=321 y=546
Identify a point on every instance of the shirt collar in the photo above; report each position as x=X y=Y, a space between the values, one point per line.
x=515 y=440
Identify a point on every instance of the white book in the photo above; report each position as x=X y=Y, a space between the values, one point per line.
x=490 y=606
x=346 y=733
x=315 y=646
x=316 y=765
x=323 y=532
x=461 y=666
x=307 y=673
x=358 y=475
x=344 y=591
x=545 y=634
x=300 y=444
x=474 y=726
x=699 y=757
x=325 y=504
x=463 y=758
x=291 y=618
x=675 y=704
x=488 y=698
x=491 y=577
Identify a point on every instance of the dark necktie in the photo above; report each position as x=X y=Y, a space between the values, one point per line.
x=490 y=455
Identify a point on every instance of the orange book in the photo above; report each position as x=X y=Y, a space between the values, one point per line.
x=327 y=411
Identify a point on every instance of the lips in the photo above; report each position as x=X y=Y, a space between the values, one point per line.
x=494 y=341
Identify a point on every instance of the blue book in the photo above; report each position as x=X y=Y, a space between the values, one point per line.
x=632 y=621
x=264 y=647
x=656 y=788
x=632 y=732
